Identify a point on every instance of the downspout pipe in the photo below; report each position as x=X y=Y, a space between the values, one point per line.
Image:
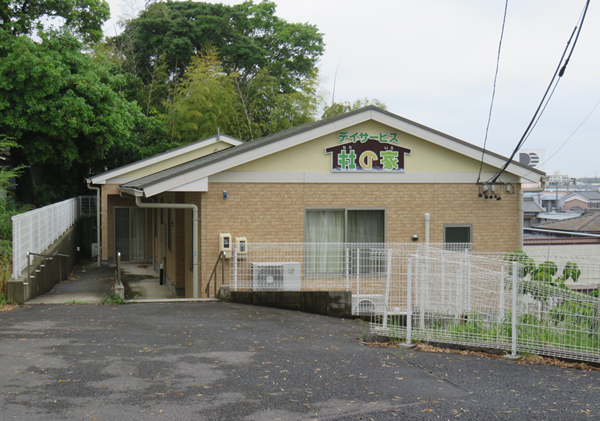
x=521 y=205
x=427 y=219
x=194 y=208
x=98 y=230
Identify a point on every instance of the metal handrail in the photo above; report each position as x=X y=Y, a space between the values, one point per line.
x=45 y=256
x=221 y=258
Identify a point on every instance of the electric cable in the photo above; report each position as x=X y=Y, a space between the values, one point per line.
x=487 y=127
x=560 y=71
x=568 y=138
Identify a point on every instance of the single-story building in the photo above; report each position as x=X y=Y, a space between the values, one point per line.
x=582 y=199
x=367 y=176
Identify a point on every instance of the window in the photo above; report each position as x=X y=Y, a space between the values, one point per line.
x=328 y=227
x=458 y=237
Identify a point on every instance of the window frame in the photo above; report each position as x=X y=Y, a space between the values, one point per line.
x=384 y=209
x=352 y=273
x=470 y=226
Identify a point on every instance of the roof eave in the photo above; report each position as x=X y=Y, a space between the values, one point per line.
x=331 y=125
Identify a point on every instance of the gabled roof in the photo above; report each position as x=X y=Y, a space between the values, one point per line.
x=212 y=164
x=589 y=222
x=101 y=178
x=584 y=195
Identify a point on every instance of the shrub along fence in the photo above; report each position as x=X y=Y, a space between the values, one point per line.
x=511 y=301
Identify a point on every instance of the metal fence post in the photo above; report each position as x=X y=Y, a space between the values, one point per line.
x=235 y=268
x=387 y=288
x=357 y=271
x=408 y=343
x=515 y=284
x=347 y=269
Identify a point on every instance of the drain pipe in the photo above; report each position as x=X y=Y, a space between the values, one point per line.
x=521 y=205
x=194 y=208
x=427 y=219
x=98 y=231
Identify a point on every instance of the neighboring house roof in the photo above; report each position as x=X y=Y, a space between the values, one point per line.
x=183 y=174
x=530 y=206
x=186 y=149
x=557 y=216
x=589 y=222
x=585 y=196
x=577 y=210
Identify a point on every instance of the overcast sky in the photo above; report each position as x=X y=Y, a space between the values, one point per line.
x=433 y=61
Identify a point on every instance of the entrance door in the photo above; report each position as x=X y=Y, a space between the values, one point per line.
x=130 y=233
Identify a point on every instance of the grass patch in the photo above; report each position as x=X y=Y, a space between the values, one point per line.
x=77 y=302
x=113 y=298
x=5 y=304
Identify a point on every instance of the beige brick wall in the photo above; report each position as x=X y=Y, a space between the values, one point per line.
x=275 y=213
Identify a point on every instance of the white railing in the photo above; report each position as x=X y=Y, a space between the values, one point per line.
x=414 y=292
x=36 y=230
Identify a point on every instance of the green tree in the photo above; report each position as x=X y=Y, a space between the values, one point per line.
x=8 y=207
x=85 y=17
x=248 y=36
x=63 y=108
x=337 y=108
x=203 y=101
x=262 y=109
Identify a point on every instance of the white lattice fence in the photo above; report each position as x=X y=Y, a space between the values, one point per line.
x=35 y=231
x=430 y=293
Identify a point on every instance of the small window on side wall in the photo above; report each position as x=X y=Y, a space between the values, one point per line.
x=458 y=237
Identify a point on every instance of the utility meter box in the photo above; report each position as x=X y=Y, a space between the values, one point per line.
x=225 y=244
x=241 y=245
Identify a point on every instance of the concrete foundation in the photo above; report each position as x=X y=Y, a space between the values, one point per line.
x=330 y=303
x=44 y=273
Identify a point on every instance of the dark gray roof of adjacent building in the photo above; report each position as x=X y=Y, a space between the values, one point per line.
x=198 y=163
x=531 y=206
x=592 y=195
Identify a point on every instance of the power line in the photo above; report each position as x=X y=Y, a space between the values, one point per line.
x=487 y=127
x=560 y=71
x=568 y=138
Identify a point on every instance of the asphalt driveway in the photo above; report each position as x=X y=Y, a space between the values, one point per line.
x=220 y=361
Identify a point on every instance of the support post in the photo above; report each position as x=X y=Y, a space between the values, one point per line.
x=408 y=343
x=515 y=284
x=357 y=271
x=235 y=269
x=387 y=288
x=347 y=269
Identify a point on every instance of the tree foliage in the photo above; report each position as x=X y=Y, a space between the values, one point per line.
x=63 y=108
x=84 y=17
x=179 y=72
x=249 y=37
x=203 y=102
x=337 y=108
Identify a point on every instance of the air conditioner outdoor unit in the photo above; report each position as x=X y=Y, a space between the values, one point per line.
x=276 y=276
x=365 y=304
